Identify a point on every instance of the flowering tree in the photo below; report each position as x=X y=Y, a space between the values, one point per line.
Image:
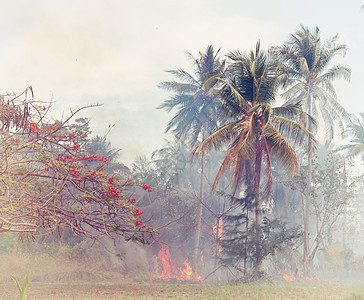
x=48 y=180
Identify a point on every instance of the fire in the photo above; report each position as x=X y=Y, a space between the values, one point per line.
x=186 y=272
x=288 y=277
x=165 y=260
x=217 y=229
x=169 y=271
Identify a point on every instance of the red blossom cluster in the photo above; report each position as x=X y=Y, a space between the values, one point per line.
x=138 y=213
x=14 y=140
x=34 y=127
x=131 y=200
x=95 y=158
x=76 y=145
x=74 y=171
x=147 y=187
x=111 y=180
x=64 y=157
x=112 y=192
x=139 y=223
x=90 y=173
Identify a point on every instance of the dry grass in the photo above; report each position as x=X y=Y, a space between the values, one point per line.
x=133 y=290
x=56 y=268
x=65 y=272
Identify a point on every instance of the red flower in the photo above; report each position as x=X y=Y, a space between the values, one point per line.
x=111 y=179
x=145 y=187
x=150 y=190
x=131 y=200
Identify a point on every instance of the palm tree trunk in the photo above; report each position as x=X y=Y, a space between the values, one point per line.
x=200 y=208
x=306 y=244
x=345 y=183
x=258 y=167
x=246 y=243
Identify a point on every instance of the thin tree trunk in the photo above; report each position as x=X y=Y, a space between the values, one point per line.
x=199 y=218
x=246 y=243
x=200 y=208
x=306 y=243
x=258 y=167
x=345 y=199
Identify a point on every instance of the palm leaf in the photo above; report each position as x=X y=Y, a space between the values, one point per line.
x=281 y=151
x=219 y=138
x=292 y=130
x=181 y=88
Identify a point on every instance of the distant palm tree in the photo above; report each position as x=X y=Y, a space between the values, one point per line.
x=307 y=59
x=255 y=132
x=356 y=130
x=100 y=146
x=172 y=164
x=198 y=110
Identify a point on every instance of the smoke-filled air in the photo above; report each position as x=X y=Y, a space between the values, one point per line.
x=186 y=150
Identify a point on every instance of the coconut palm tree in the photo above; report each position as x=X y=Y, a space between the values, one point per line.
x=255 y=133
x=198 y=110
x=307 y=59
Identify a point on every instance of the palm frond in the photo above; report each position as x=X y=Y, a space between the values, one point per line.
x=298 y=90
x=281 y=151
x=357 y=149
x=217 y=139
x=292 y=130
x=184 y=76
x=233 y=91
x=181 y=88
x=337 y=71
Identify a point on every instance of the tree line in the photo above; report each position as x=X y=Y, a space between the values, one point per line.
x=226 y=106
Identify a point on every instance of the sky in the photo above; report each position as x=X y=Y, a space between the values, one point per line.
x=116 y=52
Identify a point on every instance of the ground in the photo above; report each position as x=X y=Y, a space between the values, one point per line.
x=147 y=290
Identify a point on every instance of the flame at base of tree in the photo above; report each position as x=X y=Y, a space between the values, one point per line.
x=217 y=229
x=169 y=271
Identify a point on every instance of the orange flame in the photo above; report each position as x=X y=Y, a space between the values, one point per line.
x=169 y=271
x=217 y=229
x=165 y=260
x=288 y=277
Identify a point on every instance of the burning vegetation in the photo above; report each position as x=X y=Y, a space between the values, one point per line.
x=169 y=271
x=261 y=196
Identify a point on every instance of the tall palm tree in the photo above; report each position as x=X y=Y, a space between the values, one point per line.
x=307 y=58
x=255 y=133
x=198 y=110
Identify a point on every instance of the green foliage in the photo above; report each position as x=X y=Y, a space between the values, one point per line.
x=22 y=288
x=241 y=239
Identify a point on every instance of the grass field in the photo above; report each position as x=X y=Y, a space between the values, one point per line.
x=186 y=291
